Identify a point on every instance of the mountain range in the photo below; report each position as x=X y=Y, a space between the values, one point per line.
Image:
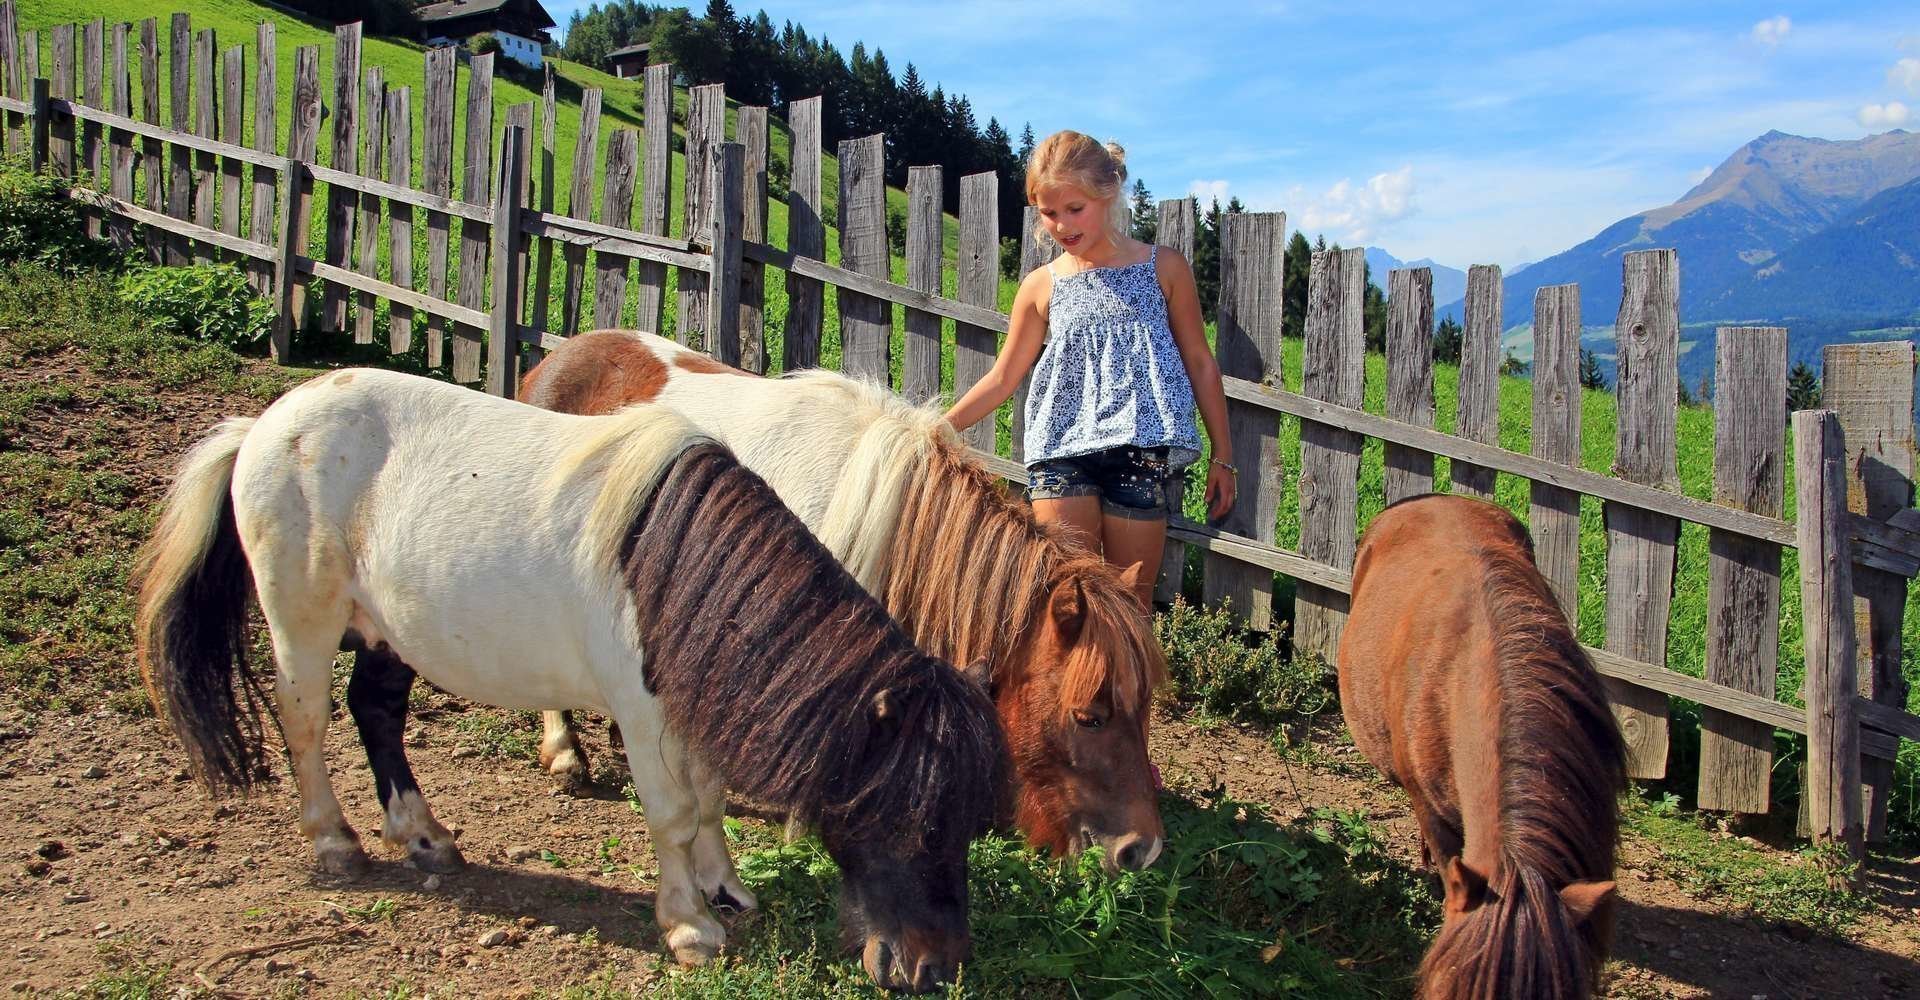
x=1818 y=235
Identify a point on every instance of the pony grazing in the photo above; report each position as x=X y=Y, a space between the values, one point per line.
x=1462 y=682
x=522 y=558
x=959 y=562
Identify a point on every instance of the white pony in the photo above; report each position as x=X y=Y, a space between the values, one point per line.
x=625 y=563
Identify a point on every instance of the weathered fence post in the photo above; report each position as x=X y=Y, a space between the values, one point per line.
x=303 y=145
x=1826 y=597
x=727 y=167
x=474 y=180
x=266 y=139
x=750 y=128
x=399 y=116
x=616 y=209
x=976 y=282
x=1743 y=589
x=806 y=237
x=1330 y=456
x=363 y=248
x=543 y=251
x=586 y=147
x=503 y=348
x=341 y=199
x=706 y=127
x=1478 y=418
x=1247 y=344
x=920 y=360
x=37 y=121
x=656 y=193
x=294 y=186
x=1409 y=472
x=866 y=326
x=1870 y=389
x=1175 y=231
x=1554 y=513
x=436 y=173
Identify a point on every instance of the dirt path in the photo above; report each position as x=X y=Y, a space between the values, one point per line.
x=113 y=862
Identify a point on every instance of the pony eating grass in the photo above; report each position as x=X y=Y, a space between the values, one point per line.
x=1462 y=682
x=627 y=563
x=961 y=564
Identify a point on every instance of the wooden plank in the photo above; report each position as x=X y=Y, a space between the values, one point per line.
x=266 y=138
x=1826 y=596
x=1329 y=456
x=37 y=120
x=920 y=357
x=289 y=252
x=120 y=141
x=399 y=117
x=1554 y=513
x=346 y=141
x=194 y=231
x=1886 y=719
x=706 y=127
x=1409 y=472
x=233 y=81
x=213 y=147
x=580 y=206
x=92 y=69
x=474 y=180
x=542 y=168
x=866 y=327
x=750 y=128
x=515 y=265
x=303 y=147
x=206 y=126
x=616 y=209
x=149 y=164
x=366 y=223
x=1175 y=231
x=1478 y=417
x=12 y=81
x=179 y=160
x=656 y=193
x=880 y=288
x=1743 y=592
x=502 y=341
x=356 y=282
x=976 y=283
x=623 y=242
x=1247 y=345
x=61 y=146
x=1870 y=389
x=1641 y=544
x=727 y=166
x=806 y=237
x=436 y=174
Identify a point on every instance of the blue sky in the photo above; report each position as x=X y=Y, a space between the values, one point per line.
x=1469 y=133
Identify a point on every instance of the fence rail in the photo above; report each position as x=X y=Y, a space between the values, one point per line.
x=492 y=272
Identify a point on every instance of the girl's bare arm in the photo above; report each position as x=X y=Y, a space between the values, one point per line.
x=1190 y=336
x=1026 y=334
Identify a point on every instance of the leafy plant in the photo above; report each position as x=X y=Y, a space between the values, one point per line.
x=211 y=302
x=38 y=225
x=1219 y=667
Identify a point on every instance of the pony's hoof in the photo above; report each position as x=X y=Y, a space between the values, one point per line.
x=693 y=945
x=567 y=769
x=733 y=897
x=442 y=860
x=348 y=861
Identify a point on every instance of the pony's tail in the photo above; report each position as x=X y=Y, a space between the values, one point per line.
x=864 y=510
x=191 y=634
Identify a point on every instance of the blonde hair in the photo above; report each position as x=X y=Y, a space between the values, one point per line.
x=1069 y=157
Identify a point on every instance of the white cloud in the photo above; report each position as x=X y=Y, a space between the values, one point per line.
x=1905 y=73
x=1892 y=113
x=1700 y=175
x=1208 y=191
x=1354 y=213
x=1772 y=31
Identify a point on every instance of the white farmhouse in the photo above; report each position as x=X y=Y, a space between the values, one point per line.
x=520 y=25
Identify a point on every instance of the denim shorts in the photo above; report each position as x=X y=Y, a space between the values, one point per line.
x=1130 y=482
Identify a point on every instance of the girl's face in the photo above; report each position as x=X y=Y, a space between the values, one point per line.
x=1075 y=219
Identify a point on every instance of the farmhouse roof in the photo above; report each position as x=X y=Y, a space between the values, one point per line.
x=630 y=50
x=452 y=9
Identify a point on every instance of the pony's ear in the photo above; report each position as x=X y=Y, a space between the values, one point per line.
x=979 y=673
x=885 y=705
x=1466 y=888
x=1583 y=899
x=1130 y=579
x=1068 y=608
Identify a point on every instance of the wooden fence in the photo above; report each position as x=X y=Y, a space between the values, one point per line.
x=194 y=189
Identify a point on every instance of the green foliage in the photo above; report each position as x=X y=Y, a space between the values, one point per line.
x=1803 y=388
x=483 y=43
x=1591 y=377
x=38 y=225
x=1145 y=214
x=210 y=302
x=1218 y=666
x=1293 y=289
x=1447 y=338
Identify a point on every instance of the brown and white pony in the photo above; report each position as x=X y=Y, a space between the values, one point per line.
x=626 y=563
x=958 y=561
x=1462 y=681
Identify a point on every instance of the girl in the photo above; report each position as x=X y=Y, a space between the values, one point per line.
x=1112 y=333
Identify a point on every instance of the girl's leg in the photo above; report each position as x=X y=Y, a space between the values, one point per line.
x=1130 y=540
x=1081 y=513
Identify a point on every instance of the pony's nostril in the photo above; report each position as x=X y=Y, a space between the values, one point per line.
x=1134 y=852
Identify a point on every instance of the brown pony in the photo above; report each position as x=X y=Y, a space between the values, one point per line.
x=1462 y=682
x=958 y=561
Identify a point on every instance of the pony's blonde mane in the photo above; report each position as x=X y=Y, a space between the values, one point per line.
x=629 y=451
x=959 y=562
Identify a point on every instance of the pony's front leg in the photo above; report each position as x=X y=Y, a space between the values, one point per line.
x=670 y=799
x=377 y=700
x=561 y=753
x=303 y=649
x=712 y=861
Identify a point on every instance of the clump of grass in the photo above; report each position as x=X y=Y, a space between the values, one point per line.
x=508 y=735
x=1219 y=667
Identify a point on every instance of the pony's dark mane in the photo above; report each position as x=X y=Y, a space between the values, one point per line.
x=768 y=659
x=1562 y=763
x=970 y=570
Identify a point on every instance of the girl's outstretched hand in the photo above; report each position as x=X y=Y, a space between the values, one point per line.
x=1221 y=486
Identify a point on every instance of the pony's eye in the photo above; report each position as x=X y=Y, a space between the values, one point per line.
x=1088 y=720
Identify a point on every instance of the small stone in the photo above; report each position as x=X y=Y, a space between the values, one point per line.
x=38 y=867
x=246 y=861
x=432 y=883
x=52 y=850
x=464 y=752
x=275 y=966
x=450 y=952
x=472 y=962
x=522 y=852
x=96 y=771
x=60 y=781
x=182 y=775
x=494 y=938
x=101 y=926
x=546 y=930
x=20 y=986
x=76 y=897
x=526 y=923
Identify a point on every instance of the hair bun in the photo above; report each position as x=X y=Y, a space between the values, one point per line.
x=1119 y=154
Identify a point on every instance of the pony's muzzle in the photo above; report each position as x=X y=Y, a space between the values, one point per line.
x=1132 y=852
x=893 y=970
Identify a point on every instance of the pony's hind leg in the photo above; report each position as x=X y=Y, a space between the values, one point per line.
x=561 y=753
x=670 y=800
x=712 y=861
x=304 y=643
x=377 y=699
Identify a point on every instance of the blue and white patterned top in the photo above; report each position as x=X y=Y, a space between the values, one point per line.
x=1110 y=373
